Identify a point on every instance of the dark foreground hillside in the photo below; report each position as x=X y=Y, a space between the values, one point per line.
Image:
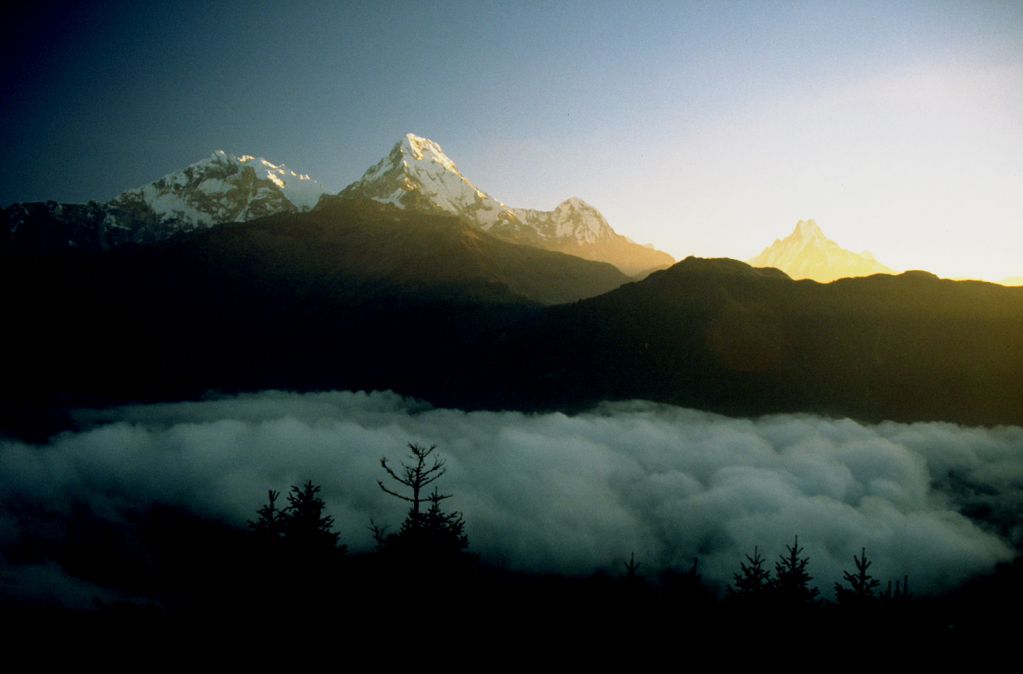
x=363 y=296
x=723 y=336
x=353 y=295
x=198 y=585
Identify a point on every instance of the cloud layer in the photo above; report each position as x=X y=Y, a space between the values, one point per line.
x=550 y=492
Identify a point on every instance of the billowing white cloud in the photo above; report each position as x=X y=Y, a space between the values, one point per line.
x=554 y=492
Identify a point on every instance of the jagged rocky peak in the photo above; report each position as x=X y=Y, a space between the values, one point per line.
x=424 y=149
x=418 y=174
x=807 y=253
x=571 y=220
x=219 y=188
x=808 y=229
x=223 y=172
x=574 y=206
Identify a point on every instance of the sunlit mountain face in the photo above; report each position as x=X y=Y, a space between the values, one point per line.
x=416 y=174
x=807 y=253
x=218 y=189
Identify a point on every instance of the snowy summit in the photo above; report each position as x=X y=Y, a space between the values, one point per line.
x=417 y=174
x=221 y=188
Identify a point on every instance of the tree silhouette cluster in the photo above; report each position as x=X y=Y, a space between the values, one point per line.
x=790 y=586
x=301 y=525
x=429 y=539
x=305 y=567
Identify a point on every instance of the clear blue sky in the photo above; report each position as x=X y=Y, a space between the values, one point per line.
x=703 y=127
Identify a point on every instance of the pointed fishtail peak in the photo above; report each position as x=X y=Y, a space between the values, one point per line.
x=808 y=229
x=807 y=253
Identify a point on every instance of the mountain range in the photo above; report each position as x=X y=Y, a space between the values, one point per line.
x=416 y=174
x=224 y=188
x=807 y=253
x=218 y=189
x=412 y=279
x=364 y=296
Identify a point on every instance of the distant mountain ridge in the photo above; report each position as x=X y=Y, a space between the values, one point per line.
x=222 y=188
x=218 y=189
x=807 y=253
x=724 y=336
x=417 y=174
x=352 y=297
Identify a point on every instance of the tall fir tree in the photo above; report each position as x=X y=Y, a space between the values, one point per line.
x=861 y=585
x=753 y=580
x=791 y=579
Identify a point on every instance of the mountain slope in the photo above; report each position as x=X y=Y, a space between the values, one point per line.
x=416 y=174
x=221 y=188
x=807 y=254
x=724 y=336
x=345 y=297
x=354 y=295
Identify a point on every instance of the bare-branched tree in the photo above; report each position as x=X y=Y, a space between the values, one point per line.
x=421 y=473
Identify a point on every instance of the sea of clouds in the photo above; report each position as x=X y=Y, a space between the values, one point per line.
x=546 y=492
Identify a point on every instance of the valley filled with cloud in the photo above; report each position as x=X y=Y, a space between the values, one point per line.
x=570 y=494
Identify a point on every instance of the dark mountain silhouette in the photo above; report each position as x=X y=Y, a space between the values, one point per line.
x=355 y=295
x=723 y=336
x=359 y=295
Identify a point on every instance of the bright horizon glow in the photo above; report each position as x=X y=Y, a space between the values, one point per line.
x=705 y=129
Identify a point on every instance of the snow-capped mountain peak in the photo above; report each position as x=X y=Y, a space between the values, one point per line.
x=219 y=188
x=299 y=188
x=808 y=253
x=420 y=149
x=417 y=174
x=573 y=219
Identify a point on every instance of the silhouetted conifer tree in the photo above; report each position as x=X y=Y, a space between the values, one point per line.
x=269 y=526
x=306 y=528
x=861 y=585
x=299 y=550
x=430 y=537
x=791 y=579
x=753 y=580
x=632 y=568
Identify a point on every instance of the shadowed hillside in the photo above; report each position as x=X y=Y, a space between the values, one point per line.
x=354 y=295
x=720 y=335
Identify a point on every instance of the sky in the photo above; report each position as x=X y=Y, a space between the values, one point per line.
x=704 y=128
